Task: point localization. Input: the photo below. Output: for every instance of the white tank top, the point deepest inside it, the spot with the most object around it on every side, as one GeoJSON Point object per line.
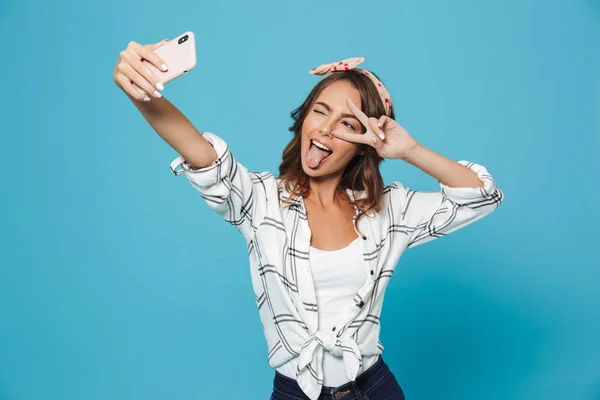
{"type": "Point", "coordinates": [337, 276]}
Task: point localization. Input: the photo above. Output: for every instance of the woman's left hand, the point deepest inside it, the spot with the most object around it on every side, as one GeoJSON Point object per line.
{"type": "Point", "coordinates": [384, 134]}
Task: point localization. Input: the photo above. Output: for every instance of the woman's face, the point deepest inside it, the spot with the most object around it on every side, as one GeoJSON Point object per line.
{"type": "Point", "coordinates": [330, 112]}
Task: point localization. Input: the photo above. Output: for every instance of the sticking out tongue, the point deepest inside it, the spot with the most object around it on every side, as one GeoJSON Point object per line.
{"type": "Point", "coordinates": [315, 156]}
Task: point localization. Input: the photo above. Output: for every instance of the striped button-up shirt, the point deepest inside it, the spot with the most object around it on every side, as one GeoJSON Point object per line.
{"type": "Point", "coordinates": [278, 239]}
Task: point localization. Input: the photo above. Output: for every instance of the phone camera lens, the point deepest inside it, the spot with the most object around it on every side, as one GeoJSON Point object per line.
{"type": "Point", "coordinates": [183, 39]}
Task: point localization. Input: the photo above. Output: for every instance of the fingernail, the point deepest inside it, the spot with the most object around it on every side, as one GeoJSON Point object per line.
{"type": "Point", "coordinates": [164, 67]}
{"type": "Point", "coordinates": [379, 124]}
{"type": "Point", "coordinates": [157, 94]}
{"type": "Point", "coordinates": [146, 98]}
{"type": "Point", "coordinates": [159, 86]}
{"type": "Point", "coordinates": [374, 139]}
{"type": "Point", "coordinates": [381, 136]}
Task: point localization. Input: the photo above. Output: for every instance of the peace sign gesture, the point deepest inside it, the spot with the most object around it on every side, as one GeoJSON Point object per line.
{"type": "Point", "coordinates": [384, 134]}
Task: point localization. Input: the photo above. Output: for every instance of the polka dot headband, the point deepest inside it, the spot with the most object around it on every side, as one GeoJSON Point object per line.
{"type": "Point", "coordinates": [352, 63]}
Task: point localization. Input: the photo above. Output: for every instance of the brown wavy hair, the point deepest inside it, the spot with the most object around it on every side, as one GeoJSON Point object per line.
{"type": "Point", "coordinates": [362, 172]}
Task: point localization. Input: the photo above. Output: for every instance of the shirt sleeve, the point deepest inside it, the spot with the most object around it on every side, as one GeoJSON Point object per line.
{"type": "Point", "coordinates": [425, 216]}
{"type": "Point", "coordinates": [226, 185]}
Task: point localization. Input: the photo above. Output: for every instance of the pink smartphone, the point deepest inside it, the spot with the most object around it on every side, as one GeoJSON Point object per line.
{"type": "Point", "coordinates": [179, 54]}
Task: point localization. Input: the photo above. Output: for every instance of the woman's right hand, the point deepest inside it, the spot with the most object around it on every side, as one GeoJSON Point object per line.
{"type": "Point", "coordinates": [130, 69]}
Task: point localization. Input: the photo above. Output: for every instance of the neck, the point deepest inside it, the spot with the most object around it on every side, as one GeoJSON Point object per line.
{"type": "Point", "coordinates": [324, 190]}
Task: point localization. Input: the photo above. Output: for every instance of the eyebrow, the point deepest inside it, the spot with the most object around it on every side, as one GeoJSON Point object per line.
{"type": "Point", "coordinates": [329, 109]}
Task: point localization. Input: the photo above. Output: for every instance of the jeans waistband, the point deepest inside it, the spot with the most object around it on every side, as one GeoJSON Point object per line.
{"type": "Point", "coordinates": [349, 391]}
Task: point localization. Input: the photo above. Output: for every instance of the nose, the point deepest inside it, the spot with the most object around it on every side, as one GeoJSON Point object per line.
{"type": "Point", "coordinates": [325, 130]}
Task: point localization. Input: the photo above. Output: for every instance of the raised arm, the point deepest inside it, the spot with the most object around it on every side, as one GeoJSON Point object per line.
{"type": "Point", "coordinates": [424, 216]}
{"type": "Point", "coordinates": [467, 191]}
{"type": "Point", "coordinates": [226, 185]}
{"type": "Point", "coordinates": [170, 124]}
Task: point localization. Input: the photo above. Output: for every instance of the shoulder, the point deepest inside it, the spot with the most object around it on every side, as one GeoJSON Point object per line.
{"type": "Point", "coordinates": [264, 184]}
{"type": "Point", "coordinates": [396, 190]}
{"type": "Point", "coordinates": [391, 189]}
{"type": "Point", "coordinates": [394, 199]}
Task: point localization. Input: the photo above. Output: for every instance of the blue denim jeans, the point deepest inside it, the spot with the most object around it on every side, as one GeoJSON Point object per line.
{"type": "Point", "coordinates": [376, 383]}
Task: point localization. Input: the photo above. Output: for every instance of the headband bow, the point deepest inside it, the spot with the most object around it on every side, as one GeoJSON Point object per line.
{"type": "Point", "coordinates": [352, 63]}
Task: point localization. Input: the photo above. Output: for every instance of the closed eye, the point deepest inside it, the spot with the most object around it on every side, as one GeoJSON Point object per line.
{"type": "Point", "coordinates": [348, 124]}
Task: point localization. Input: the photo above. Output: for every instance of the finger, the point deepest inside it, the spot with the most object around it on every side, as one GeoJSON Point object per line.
{"type": "Point", "coordinates": [362, 117]}
{"type": "Point", "coordinates": [139, 89]}
{"type": "Point", "coordinates": [154, 46]}
{"type": "Point", "coordinates": [132, 59]}
{"type": "Point", "coordinates": [148, 53]}
{"type": "Point", "coordinates": [384, 120]}
{"type": "Point", "coordinates": [374, 124]}
{"type": "Point", "coordinates": [129, 89]}
{"type": "Point", "coordinates": [145, 53]}
{"type": "Point", "coordinates": [138, 79]}
{"type": "Point", "coordinates": [353, 137]}
{"type": "Point", "coordinates": [136, 61]}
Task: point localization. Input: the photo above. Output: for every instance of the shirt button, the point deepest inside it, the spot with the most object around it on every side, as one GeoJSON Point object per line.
{"type": "Point", "coordinates": [333, 329]}
{"type": "Point", "coordinates": [372, 272]}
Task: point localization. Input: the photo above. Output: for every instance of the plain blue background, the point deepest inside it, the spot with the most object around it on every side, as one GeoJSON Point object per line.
{"type": "Point", "coordinates": [111, 279]}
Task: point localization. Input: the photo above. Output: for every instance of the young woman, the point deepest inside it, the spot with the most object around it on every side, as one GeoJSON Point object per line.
{"type": "Point", "coordinates": [325, 236]}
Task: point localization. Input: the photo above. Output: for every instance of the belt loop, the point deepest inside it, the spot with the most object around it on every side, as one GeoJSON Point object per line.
{"type": "Point", "coordinates": [359, 395]}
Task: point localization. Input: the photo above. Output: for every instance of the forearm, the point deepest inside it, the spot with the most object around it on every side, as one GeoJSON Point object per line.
{"type": "Point", "coordinates": [175, 129]}
{"type": "Point", "coordinates": [445, 170]}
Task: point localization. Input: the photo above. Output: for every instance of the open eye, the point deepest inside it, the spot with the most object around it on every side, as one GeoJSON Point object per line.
{"type": "Point", "coordinates": [349, 125]}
